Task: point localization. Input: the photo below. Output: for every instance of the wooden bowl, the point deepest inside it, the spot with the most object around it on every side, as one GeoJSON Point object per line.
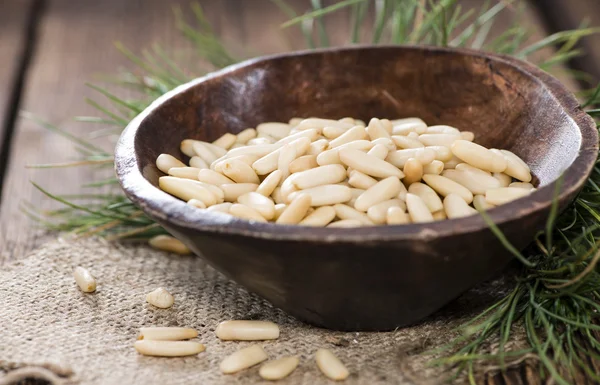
{"type": "Point", "coordinates": [371, 278]}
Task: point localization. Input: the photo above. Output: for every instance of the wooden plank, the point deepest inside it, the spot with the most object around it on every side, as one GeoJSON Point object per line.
{"type": "Point", "coordinates": [14, 29]}
{"type": "Point", "coordinates": [562, 15]}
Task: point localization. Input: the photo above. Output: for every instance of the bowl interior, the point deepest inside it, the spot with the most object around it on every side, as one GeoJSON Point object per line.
{"type": "Point", "coordinates": [504, 106]}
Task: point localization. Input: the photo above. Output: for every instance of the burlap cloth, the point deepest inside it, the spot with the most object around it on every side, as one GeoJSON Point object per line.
{"type": "Point", "coordinates": [50, 329]}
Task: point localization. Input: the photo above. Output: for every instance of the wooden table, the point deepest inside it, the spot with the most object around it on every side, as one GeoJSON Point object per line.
{"type": "Point", "coordinates": [50, 48]}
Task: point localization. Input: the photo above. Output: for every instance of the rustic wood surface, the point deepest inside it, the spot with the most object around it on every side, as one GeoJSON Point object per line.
{"type": "Point", "coordinates": [71, 42]}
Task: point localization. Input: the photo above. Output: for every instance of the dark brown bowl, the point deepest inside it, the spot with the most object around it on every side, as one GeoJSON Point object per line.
{"type": "Point", "coordinates": [371, 278]}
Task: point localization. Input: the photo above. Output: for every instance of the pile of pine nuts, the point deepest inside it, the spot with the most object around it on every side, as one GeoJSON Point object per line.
{"type": "Point", "coordinates": [343, 173]}
{"type": "Point", "coordinates": [170, 342]}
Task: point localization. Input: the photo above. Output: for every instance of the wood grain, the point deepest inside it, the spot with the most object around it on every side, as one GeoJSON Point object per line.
{"type": "Point", "coordinates": [14, 23]}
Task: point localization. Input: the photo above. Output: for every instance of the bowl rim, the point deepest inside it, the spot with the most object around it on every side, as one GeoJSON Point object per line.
{"type": "Point", "coordinates": [164, 207]}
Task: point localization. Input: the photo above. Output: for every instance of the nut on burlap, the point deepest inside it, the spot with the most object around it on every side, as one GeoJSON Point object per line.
{"type": "Point", "coordinates": [50, 329]}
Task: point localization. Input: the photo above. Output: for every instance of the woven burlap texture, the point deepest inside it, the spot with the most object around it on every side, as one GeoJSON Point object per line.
{"type": "Point", "coordinates": [47, 323]}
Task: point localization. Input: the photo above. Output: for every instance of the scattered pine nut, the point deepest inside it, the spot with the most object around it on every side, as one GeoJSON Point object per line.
{"type": "Point", "coordinates": [168, 348]}
{"type": "Point", "coordinates": [84, 279]}
{"type": "Point", "coordinates": [169, 244]}
{"type": "Point", "coordinates": [456, 207]}
{"type": "Point", "coordinates": [167, 333]}
{"type": "Point", "coordinates": [243, 359]}
{"type": "Point", "coordinates": [330, 365]}
{"type": "Point", "coordinates": [278, 369]}
{"type": "Point", "coordinates": [247, 330]}
{"type": "Point", "coordinates": [417, 209]}
{"type": "Point", "coordinates": [322, 216]}
{"type": "Point", "coordinates": [160, 298]}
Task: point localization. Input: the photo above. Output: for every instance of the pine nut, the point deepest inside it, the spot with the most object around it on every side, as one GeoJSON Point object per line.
{"type": "Point", "coordinates": [260, 203]}
{"type": "Point", "coordinates": [379, 151]}
{"type": "Point", "coordinates": [186, 147]}
{"type": "Point", "coordinates": [378, 213]}
{"type": "Point", "coordinates": [478, 156]}
{"type": "Point", "coordinates": [348, 120]}
{"type": "Point", "coordinates": [245, 212]}
{"type": "Point", "coordinates": [167, 333]}
{"type": "Point", "coordinates": [296, 210]}
{"type": "Point", "coordinates": [356, 192]}
{"type": "Point", "coordinates": [359, 180]}
{"type": "Point", "coordinates": [452, 163]}
{"type": "Point", "coordinates": [260, 141]}
{"type": "Point", "coordinates": [413, 135]}
{"type": "Point", "coordinates": [428, 195]}
{"type": "Point", "coordinates": [524, 185]}
{"type": "Point", "coordinates": [387, 142]}
{"type": "Point", "coordinates": [218, 151]}
{"type": "Point", "coordinates": [274, 129]}
{"type": "Point", "coordinates": [474, 182]}
{"type": "Point", "coordinates": [213, 177]}
{"type": "Point", "coordinates": [247, 134]}
{"type": "Point", "coordinates": [456, 207]}
{"type": "Point", "coordinates": [396, 216]}
{"type": "Point", "coordinates": [203, 151]}
{"type": "Point", "coordinates": [326, 195]}
{"type": "Point", "coordinates": [222, 207]}
{"type": "Point", "coordinates": [445, 186]}
{"type": "Point", "coordinates": [441, 129]}
{"type": "Point", "coordinates": [278, 369]}
{"type": "Point", "coordinates": [311, 134]}
{"type": "Point", "coordinates": [169, 244]}
{"type": "Point", "coordinates": [346, 223]}
{"type": "Point", "coordinates": [278, 196]}
{"type": "Point", "coordinates": [331, 132]}
{"type": "Point", "coordinates": [330, 365]}
{"type": "Point", "coordinates": [303, 163]}
{"type": "Point", "coordinates": [467, 135]}
{"type": "Point", "coordinates": [270, 162]}
{"type": "Point", "coordinates": [295, 121]}
{"type": "Point", "coordinates": [469, 168]}
{"type": "Point", "coordinates": [184, 172]}
{"type": "Point", "coordinates": [355, 133]}
{"type": "Point", "coordinates": [442, 153]}
{"type": "Point", "coordinates": [168, 348]}
{"type": "Point", "coordinates": [240, 172]}
{"type": "Point", "coordinates": [225, 141]}
{"type": "Point", "coordinates": [196, 203]}
{"type": "Point", "coordinates": [403, 192]}
{"type": "Point", "coordinates": [504, 179]}
{"type": "Point", "coordinates": [247, 330]}
{"type": "Point", "coordinates": [515, 167]}
{"type": "Point", "coordinates": [333, 156]}
{"type": "Point", "coordinates": [369, 164]}
{"type": "Point", "coordinates": [399, 158]}
{"type": "Point", "coordinates": [217, 166]}
{"type": "Point", "coordinates": [436, 167]}
{"type": "Point", "coordinates": [186, 189]}
{"type": "Point", "coordinates": [84, 279]}
{"type": "Point", "coordinates": [438, 139]}
{"type": "Point", "coordinates": [233, 191]}
{"type": "Point", "coordinates": [439, 215]}
{"type": "Point", "coordinates": [323, 175]}
{"type": "Point", "coordinates": [481, 204]}
{"type": "Point", "coordinates": [165, 162]}
{"type": "Point", "coordinates": [320, 217]}
{"type": "Point", "coordinates": [318, 147]}
{"type": "Point", "coordinates": [413, 171]}
{"type": "Point", "coordinates": [279, 209]}
{"type": "Point", "coordinates": [417, 209]}
{"type": "Point", "coordinates": [197, 162]}
{"type": "Point", "coordinates": [160, 298]}
{"type": "Point", "coordinates": [384, 190]}
{"type": "Point", "coordinates": [376, 130]}
{"type": "Point", "coordinates": [243, 359]}
{"type": "Point", "coordinates": [500, 196]}
{"type": "Point", "coordinates": [287, 156]}
{"type": "Point", "coordinates": [403, 127]}
{"type": "Point", "coordinates": [259, 151]}
{"type": "Point", "coordinates": [347, 212]}
{"type": "Point", "coordinates": [404, 142]}
{"type": "Point", "coordinates": [269, 184]}
{"type": "Point", "coordinates": [387, 124]}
